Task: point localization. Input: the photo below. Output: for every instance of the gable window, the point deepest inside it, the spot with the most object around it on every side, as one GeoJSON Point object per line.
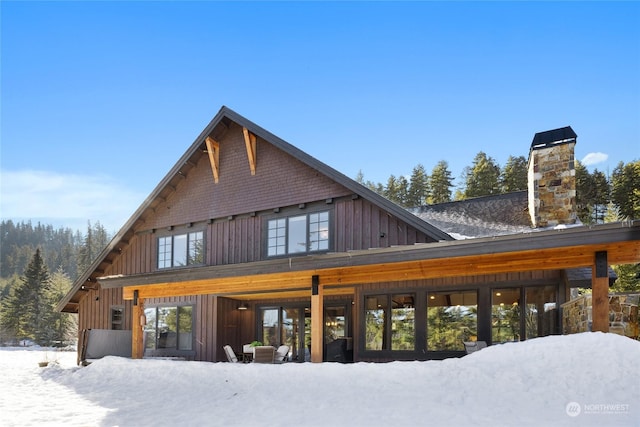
{"type": "Point", "coordinates": [298, 234]}
{"type": "Point", "coordinates": [181, 250]}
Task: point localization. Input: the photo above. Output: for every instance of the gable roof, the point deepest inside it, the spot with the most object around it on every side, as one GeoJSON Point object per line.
{"type": "Point", "coordinates": [323, 168]}
{"type": "Point", "coordinates": [487, 216]}
{"type": "Point", "coordinates": [216, 127]}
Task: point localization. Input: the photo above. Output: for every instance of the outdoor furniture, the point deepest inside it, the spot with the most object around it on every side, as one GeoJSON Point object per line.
{"type": "Point", "coordinates": [282, 354]}
{"type": "Point", "coordinates": [231, 355]}
{"type": "Point", "coordinates": [473, 346]}
{"type": "Point", "coordinates": [264, 354]}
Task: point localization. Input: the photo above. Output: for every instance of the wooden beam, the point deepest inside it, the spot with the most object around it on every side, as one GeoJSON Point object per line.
{"type": "Point", "coordinates": [213, 149]}
{"type": "Point", "coordinates": [600, 293]}
{"type": "Point", "coordinates": [137, 330]}
{"type": "Point", "coordinates": [250, 142]}
{"type": "Point", "coordinates": [549, 259]}
{"type": "Point", "coordinates": [317, 319]}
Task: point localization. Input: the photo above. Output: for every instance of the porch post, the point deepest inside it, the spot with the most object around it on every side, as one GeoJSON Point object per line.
{"type": "Point", "coordinates": [600, 293]}
{"type": "Point", "coordinates": [137, 326]}
{"type": "Point", "coordinates": [317, 319]}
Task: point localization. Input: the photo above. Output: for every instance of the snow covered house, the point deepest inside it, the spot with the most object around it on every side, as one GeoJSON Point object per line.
{"type": "Point", "coordinates": [249, 238]}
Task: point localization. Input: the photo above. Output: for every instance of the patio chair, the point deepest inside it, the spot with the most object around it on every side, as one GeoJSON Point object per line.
{"type": "Point", "coordinates": [231, 355]}
{"type": "Point", "coordinates": [473, 346]}
{"type": "Point", "coordinates": [282, 353]}
{"type": "Point", "coordinates": [264, 354]}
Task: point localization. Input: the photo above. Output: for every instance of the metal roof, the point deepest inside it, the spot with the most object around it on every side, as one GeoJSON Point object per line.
{"type": "Point", "coordinates": [553, 137]}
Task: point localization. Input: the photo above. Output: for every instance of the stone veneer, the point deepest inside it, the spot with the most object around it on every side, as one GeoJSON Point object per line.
{"type": "Point", "coordinates": [552, 185]}
{"type": "Point", "coordinates": [623, 315]}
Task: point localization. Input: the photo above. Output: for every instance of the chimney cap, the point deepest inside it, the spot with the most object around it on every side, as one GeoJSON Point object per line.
{"type": "Point", "coordinates": [553, 137]}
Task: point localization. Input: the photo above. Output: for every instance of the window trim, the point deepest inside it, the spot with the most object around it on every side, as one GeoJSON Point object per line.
{"type": "Point", "coordinates": [293, 214]}
{"type": "Point", "coordinates": [151, 352]}
{"type": "Point", "coordinates": [387, 326]}
{"type": "Point", "coordinates": [172, 236]}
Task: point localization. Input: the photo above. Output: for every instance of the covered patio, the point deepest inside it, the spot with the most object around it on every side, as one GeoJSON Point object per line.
{"type": "Point", "coordinates": [335, 274]}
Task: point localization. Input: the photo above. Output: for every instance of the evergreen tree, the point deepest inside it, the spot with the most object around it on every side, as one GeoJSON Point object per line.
{"type": "Point", "coordinates": [58, 325]}
{"type": "Point", "coordinates": [95, 241]}
{"type": "Point", "coordinates": [418, 187]}
{"type": "Point", "coordinates": [514, 174]}
{"type": "Point", "coordinates": [378, 188]}
{"type": "Point", "coordinates": [625, 192]}
{"type": "Point", "coordinates": [628, 278]}
{"type": "Point", "coordinates": [24, 312]}
{"type": "Point", "coordinates": [600, 196]}
{"type": "Point", "coordinates": [392, 190]}
{"type": "Point", "coordinates": [403, 191]}
{"type": "Point", "coordinates": [440, 183]}
{"type": "Point", "coordinates": [584, 193]}
{"type": "Point", "coordinates": [483, 178]}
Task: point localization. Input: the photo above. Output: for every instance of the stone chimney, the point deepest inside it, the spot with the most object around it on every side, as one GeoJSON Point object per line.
{"type": "Point", "coordinates": [552, 178]}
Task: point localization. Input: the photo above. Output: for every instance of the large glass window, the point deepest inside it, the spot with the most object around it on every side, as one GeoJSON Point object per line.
{"type": "Point", "coordinates": [181, 250]}
{"type": "Point", "coordinates": [541, 311]}
{"type": "Point", "coordinates": [169, 328]}
{"type": "Point", "coordinates": [376, 308]}
{"type": "Point", "coordinates": [270, 322]}
{"type": "Point", "coordinates": [452, 318]}
{"type": "Point", "coordinates": [505, 315]}
{"type": "Point", "coordinates": [390, 322]}
{"type": "Point", "coordinates": [298, 234]}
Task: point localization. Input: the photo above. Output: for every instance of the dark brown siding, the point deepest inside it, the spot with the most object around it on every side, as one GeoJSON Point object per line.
{"type": "Point", "coordinates": [280, 180]}
{"type": "Point", "coordinates": [95, 309]}
{"type": "Point", "coordinates": [360, 224]}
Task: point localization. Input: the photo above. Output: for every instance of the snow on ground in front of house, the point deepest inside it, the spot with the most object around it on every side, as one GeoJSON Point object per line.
{"type": "Point", "coordinates": [575, 380]}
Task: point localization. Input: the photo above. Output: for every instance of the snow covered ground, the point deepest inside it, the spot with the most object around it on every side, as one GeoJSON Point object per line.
{"type": "Point", "coordinates": [576, 380]}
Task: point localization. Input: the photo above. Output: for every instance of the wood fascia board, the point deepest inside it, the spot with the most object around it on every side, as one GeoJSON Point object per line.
{"type": "Point", "coordinates": [250, 143]}
{"type": "Point", "coordinates": [213, 150]}
{"type": "Point", "coordinates": [621, 241]}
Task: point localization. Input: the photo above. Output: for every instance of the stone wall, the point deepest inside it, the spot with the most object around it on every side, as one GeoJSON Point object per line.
{"type": "Point", "coordinates": [623, 315]}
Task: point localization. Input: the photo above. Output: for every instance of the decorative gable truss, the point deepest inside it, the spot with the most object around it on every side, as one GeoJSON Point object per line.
{"type": "Point", "coordinates": [213, 149]}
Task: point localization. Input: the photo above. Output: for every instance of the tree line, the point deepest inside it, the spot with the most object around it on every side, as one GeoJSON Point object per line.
{"type": "Point", "coordinates": [38, 265]}
{"type": "Point", "coordinates": [596, 192]}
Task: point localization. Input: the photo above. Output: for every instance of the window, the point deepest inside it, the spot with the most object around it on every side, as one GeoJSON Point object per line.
{"type": "Point", "coordinates": [169, 328]}
{"type": "Point", "coordinates": [181, 250]}
{"type": "Point", "coordinates": [298, 234]}
{"type": "Point", "coordinates": [452, 318]}
{"type": "Point", "coordinates": [541, 311]}
{"type": "Point", "coordinates": [117, 318]}
{"type": "Point", "coordinates": [390, 322]}
{"type": "Point", "coordinates": [505, 315]}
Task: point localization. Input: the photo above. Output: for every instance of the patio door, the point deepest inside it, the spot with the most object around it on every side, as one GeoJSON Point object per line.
{"type": "Point", "coordinates": [289, 326]}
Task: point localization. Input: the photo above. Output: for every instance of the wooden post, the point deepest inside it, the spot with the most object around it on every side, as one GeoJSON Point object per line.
{"type": "Point", "coordinates": [137, 328]}
{"type": "Point", "coordinates": [600, 293]}
{"type": "Point", "coordinates": [317, 319]}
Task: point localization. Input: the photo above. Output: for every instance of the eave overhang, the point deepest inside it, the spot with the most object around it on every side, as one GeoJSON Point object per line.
{"type": "Point", "coordinates": [544, 250]}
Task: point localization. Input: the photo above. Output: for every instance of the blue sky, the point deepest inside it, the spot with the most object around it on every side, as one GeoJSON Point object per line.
{"type": "Point", "coordinates": [100, 99]}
